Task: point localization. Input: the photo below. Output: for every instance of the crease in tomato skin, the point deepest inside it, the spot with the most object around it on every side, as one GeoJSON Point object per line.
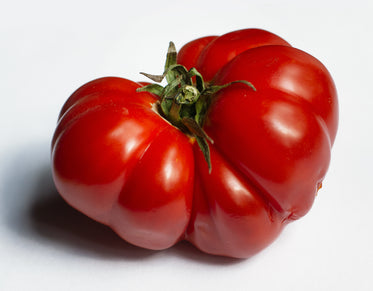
{"type": "Point", "coordinates": [216, 216]}
{"type": "Point", "coordinates": [217, 128]}
{"type": "Point", "coordinates": [267, 198]}
{"type": "Point", "coordinates": [198, 194]}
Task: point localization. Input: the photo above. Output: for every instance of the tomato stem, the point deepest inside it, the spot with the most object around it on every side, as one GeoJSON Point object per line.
{"type": "Point", "coordinates": [174, 113]}
{"type": "Point", "coordinates": [184, 102]}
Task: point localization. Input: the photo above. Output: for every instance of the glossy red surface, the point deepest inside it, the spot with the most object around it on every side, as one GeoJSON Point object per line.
{"type": "Point", "coordinates": [119, 162]}
{"type": "Point", "coordinates": [188, 55]}
{"type": "Point", "coordinates": [219, 51]}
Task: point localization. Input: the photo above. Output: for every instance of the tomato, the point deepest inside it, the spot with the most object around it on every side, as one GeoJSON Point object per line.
{"type": "Point", "coordinates": [216, 163]}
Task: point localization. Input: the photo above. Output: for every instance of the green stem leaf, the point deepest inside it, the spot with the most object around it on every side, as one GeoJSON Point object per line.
{"type": "Point", "coordinates": [152, 88]}
{"type": "Point", "coordinates": [204, 146]}
{"type": "Point", "coordinates": [200, 84]}
{"type": "Point", "coordinates": [214, 89]}
{"type": "Point", "coordinates": [155, 78]}
{"type": "Point", "coordinates": [170, 59]}
{"type": "Point", "coordinates": [195, 129]}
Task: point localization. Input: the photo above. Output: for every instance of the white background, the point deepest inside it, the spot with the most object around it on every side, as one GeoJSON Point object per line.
{"type": "Point", "coordinates": [49, 48]}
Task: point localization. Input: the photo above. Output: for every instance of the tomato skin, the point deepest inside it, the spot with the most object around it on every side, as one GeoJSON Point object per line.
{"type": "Point", "coordinates": [224, 48]}
{"type": "Point", "coordinates": [302, 77]}
{"type": "Point", "coordinates": [188, 55]}
{"type": "Point", "coordinates": [118, 161]}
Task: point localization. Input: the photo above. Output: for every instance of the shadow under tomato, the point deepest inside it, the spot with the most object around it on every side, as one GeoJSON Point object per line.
{"type": "Point", "coordinates": [53, 219]}
{"type": "Point", "coordinates": [34, 210]}
{"type": "Point", "coordinates": [186, 250]}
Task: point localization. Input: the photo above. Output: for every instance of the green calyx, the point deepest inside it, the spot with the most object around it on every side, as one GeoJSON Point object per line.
{"type": "Point", "coordinates": [185, 99]}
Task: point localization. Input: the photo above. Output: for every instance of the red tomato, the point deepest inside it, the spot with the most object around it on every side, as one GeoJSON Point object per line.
{"type": "Point", "coordinates": [116, 159]}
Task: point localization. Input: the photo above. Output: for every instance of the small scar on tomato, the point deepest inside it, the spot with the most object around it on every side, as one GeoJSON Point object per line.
{"type": "Point", "coordinates": [319, 186]}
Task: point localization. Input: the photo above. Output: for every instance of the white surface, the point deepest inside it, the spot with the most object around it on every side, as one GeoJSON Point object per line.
{"type": "Point", "coordinates": [48, 49]}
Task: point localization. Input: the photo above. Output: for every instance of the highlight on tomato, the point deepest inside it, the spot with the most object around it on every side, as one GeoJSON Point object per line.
{"type": "Point", "coordinates": [230, 151]}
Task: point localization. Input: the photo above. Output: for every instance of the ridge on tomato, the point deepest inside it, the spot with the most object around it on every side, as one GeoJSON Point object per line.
{"type": "Point", "coordinates": [231, 150]}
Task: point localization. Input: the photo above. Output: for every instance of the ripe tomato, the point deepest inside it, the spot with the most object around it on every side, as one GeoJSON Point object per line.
{"type": "Point", "coordinates": [225, 169]}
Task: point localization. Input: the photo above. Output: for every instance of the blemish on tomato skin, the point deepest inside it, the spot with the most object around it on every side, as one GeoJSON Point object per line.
{"type": "Point", "coordinates": [318, 187]}
{"type": "Point", "coordinates": [125, 111]}
{"type": "Point", "coordinates": [290, 217]}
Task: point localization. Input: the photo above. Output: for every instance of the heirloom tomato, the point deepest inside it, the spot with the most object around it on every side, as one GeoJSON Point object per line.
{"type": "Point", "coordinates": [233, 148]}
